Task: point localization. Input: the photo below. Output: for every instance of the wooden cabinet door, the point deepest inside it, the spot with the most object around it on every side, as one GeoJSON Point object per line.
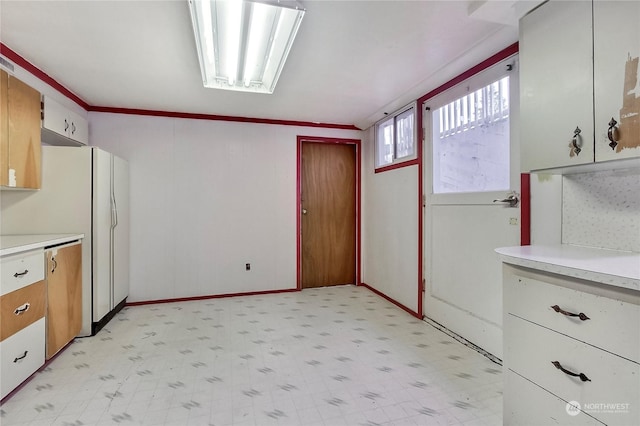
{"type": "Point", "coordinates": [64, 296]}
{"type": "Point", "coordinates": [556, 85]}
{"type": "Point", "coordinates": [24, 134]}
{"type": "Point", "coordinates": [20, 147]}
{"type": "Point", "coordinates": [616, 37]}
{"type": "Point", "coordinates": [4, 128]}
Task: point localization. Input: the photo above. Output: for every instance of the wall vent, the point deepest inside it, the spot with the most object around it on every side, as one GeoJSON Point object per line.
{"type": "Point", "coordinates": [6, 64]}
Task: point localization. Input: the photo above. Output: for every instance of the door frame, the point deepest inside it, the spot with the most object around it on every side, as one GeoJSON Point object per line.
{"type": "Point", "coordinates": [328, 140]}
{"type": "Point", "coordinates": [422, 241]}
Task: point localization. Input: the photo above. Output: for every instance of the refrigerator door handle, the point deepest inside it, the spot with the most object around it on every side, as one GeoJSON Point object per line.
{"type": "Point", "coordinates": [114, 212]}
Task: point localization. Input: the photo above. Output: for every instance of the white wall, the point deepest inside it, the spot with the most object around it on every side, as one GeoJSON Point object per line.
{"type": "Point", "coordinates": [546, 209]}
{"type": "Point", "coordinates": [206, 198]}
{"type": "Point", "coordinates": [602, 209]}
{"type": "Point", "coordinates": [596, 209]}
{"type": "Point", "coordinates": [390, 229]}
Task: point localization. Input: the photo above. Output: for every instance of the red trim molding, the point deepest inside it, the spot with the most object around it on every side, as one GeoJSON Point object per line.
{"type": "Point", "coordinates": [358, 218]}
{"type": "Point", "coordinates": [525, 209]}
{"type": "Point", "coordinates": [421, 212]}
{"type": "Point", "coordinates": [213, 296]}
{"type": "Point", "coordinates": [214, 117]}
{"type": "Point", "coordinates": [415, 161]}
{"type": "Point", "coordinates": [492, 60]}
{"type": "Point", "coordinates": [20, 61]}
{"type": "Point", "coordinates": [28, 66]}
{"type": "Point", "coordinates": [398, 304]}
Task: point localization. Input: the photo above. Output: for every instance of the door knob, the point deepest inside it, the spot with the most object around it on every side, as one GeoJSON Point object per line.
{"type": "Point", "coordinates": [304, 211]}
{"type": "Point", "coordinates": [512, 199]}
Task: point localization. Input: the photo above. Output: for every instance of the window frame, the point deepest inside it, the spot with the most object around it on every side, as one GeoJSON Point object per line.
{"type": "Point", "coordinates": [506, 67]}
{"type": "Point", "coordinates": [395, 161]}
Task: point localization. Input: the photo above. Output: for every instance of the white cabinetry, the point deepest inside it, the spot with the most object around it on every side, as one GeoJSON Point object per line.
{"type": "Point", "coordinates": [22, 329]}
{"type": "Point", "coordinates": [616, 38]}
{"type": "Point", "coordinates": [579, 63]}
{"type": "Point", "coordinates": [61, 126]}
{"type": "Point", "coordinates": [567, 340]}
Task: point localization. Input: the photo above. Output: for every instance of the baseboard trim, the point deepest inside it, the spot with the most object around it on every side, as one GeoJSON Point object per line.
{"type": "Point", "coordinates": [462, 340]}
{"type": "Point", "coordinates": [211, 296]}
{"type": "Point", "coordinates": [395, 302]}
{"type": "Point", "coordinates": [97, 326]}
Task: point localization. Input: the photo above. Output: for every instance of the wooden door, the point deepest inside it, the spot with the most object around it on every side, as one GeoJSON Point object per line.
{"type": "Point", "coordinates": [64, 296]}
{"type": "Point", "coordinates": [328, 237]}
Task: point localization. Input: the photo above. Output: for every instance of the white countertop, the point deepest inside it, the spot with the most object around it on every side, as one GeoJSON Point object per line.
{"type": "Point", "coordinates": [11, 244]}
{"type": "Point", "coordinates": [612, 267]}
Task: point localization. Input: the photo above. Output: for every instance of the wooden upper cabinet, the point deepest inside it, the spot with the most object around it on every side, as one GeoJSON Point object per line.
{"type": "Point", "coordinates": [64, 296]}
{"type": "Point", "coordinates": [4, 128]}
{"type": "Point", "coordinates": [21, 138]}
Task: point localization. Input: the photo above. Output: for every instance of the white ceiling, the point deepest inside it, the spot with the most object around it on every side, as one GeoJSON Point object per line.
{"type": "Point", "coordinates": [351, 61]}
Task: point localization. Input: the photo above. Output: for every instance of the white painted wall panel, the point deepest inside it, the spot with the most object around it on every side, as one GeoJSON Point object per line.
{"type": "Point", "coordinates": [390, 229]}
{"type": "Point", "coordinates": [546, 208]}
{"type": "Point", "coordinates": [206, 198]}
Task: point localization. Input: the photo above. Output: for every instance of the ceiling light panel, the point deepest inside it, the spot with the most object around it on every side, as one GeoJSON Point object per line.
{"type": "Point", "coordinates": [243, 45]}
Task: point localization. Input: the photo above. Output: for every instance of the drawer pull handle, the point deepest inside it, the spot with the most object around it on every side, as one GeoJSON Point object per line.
{"type": "Point", "coordinates": [21, 357]}
{"type": "Point", "coordinates": [22, 309]}
{"type": "Point", "coordinates": [558, 309]}
{"type": "Point", "coordinates": [575, 146]}
{"type": "Point", "coordinates": [571, 373]}
{"type": "Point", "coordinates": [21, 274]}
{"type": "Point", "coordinates": [611, 133]}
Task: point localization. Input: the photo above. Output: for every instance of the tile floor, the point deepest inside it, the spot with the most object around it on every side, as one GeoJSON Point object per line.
{"type": "Point", "coordinates": [328, 356]}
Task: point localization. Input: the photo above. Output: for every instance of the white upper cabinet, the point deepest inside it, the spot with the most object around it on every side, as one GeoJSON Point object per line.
{"type": "Point", "coordinates": [63, 127]}
{"type": "Point", "coordinates": [556, 85]}
{"type": "Point", "coordinates": [567, 82]}
{"type": "Point", "coordinates": [617, 79]}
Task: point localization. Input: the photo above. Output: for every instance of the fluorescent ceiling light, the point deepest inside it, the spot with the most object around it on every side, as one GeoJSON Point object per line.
{"type": "Point", "coordinates": [242, 45]}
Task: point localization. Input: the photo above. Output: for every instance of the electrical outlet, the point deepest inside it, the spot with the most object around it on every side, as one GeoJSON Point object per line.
{"type": "Point", "coordinates": [513, 221]}
{"type": "Point", "coordinates": [247, 266]}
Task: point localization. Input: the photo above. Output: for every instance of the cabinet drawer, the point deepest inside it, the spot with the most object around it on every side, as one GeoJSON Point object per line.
{"type": "Point", "coordinates": [20, 356]}
{"type": "Point", "coordinates": [612, 325]}
{"type": "Point", "coordinates": [528, 404]}
{"type": "Point", "coordinates": [20, 270]}
{"type": "Point", "coordinates": [21, 308]}
{"type": "Point", "coordinates": [530, 350]}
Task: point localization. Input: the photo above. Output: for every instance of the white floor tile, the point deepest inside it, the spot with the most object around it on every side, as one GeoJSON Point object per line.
{"type": "Point", "coordinates": [329, 356]}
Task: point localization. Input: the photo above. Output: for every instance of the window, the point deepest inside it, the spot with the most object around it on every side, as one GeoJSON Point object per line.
{"type": "Point", "coordinates": [471, 141]}
{"type": "Point", "coordinates": [395, 138]}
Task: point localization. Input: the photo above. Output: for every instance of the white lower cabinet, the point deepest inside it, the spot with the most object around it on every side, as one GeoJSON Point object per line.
{"type": "Point", "coordinates": [21, 355]}
{"type": "Point", "coordinates": [532, 405]}
{"type": "Point", "coordinates": [569, 341]}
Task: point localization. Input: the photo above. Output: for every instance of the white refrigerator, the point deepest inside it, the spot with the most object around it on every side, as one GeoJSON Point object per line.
{"type": "Point", "coordinates": [84, 190]}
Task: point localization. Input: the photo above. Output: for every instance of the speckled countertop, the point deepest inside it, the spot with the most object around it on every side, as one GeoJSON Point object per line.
{"type": "Point", "coordinates": [611, 267]}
